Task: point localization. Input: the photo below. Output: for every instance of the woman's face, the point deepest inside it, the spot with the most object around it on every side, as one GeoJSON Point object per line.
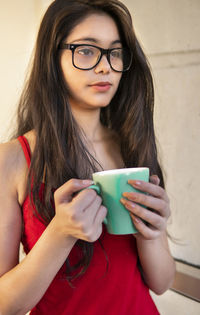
{"type": "Point", "coordinates": [96, 87]}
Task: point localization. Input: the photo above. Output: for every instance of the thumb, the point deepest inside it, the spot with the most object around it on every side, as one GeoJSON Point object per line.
{"type": "Point", "coordinates": [154, 179]}
{"type": "Point", "coordinates": [65, 192]}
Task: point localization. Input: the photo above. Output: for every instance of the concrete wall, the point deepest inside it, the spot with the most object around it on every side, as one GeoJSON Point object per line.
{"type": "Point", "coordinates": [169, 31]}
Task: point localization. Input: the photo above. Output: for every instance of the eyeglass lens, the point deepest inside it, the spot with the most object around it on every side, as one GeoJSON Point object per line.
{"type": "Point", "coordinates": [86, 57]}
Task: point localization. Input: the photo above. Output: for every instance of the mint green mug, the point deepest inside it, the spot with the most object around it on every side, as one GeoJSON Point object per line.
{"type": "Point", "coordinates": [110, 185]}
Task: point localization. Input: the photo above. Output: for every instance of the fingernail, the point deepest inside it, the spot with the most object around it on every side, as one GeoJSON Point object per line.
{"type": "Point", "coordinates": [127, 204]}
{"type": "Point", "coordinates": [87, 182]}
{"type": "Point", "coordinates": [125, 194]}
{"type": "Point", "coordinates": [136, 183]}
{"type": "Point", "coordinates": [135, 219]}
{"type": "Point", "coordinates": [123, 201]}
{"type": "Point", "coordinates": [131, 195]}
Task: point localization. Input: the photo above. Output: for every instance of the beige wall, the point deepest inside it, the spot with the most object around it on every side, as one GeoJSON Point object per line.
{"type": "Point", "coordinates": [17, 27]}
{"type": "Point", "coordinates": [169, 30]}
{"type": "Point", "coordinates": [19, 20]}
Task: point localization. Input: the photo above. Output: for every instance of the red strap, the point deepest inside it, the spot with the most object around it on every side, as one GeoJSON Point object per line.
{"type": "Point", "coordinates": [26, 148]}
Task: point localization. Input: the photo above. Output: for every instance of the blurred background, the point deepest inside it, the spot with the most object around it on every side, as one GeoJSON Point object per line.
{"type": "Point", "coordinates": [169, 31]}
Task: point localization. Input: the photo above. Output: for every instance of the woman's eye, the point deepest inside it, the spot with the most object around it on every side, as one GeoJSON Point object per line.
{"type": "Point", "coordinates": [85, 52]}
{"type": "Point", "coordinates": [116, 54]}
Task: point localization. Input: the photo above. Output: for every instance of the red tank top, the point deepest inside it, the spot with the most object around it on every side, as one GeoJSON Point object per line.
{"type": "Point", "coordinates": [115, 288]}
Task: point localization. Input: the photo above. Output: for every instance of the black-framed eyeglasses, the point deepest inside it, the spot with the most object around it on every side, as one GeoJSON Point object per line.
{"type": "Point", "coordinates": [87, 57]}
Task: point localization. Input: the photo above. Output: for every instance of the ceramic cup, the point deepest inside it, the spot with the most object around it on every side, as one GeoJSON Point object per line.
{"type": "Point", "coordinates": [110, 185]}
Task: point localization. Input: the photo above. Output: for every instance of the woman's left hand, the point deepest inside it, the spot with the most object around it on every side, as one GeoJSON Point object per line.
{"type": "Point", "coordinates": [156, 200]}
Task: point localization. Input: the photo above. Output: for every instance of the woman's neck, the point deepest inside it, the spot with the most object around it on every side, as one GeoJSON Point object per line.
{"type": "Point", "coordinates": [89, 121]}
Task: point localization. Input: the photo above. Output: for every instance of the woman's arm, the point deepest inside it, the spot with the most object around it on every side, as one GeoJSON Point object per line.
{"type": "Point", "coordinates": [157, 263]}
{"type": "Point", "coordinates": [23, 284]}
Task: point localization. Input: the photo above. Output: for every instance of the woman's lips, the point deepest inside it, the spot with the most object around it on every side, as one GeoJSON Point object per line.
{"type": "Point", "coordinates": [101, 86]}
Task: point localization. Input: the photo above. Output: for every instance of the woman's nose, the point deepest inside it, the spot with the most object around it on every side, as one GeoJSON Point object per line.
{"type": "Point", "coordinates": [103, 65]}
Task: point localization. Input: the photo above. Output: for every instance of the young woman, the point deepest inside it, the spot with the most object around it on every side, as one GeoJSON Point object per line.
{"type": "Point", "coordinates": [87, 106]}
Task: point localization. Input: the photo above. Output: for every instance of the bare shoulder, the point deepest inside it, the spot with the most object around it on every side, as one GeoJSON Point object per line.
{"type": "Point", "coordinates": [10, 156]}
{"type": "Point", "coordinates": [14, 168]}
{"type": "Point", "coordinates": [11, 153]}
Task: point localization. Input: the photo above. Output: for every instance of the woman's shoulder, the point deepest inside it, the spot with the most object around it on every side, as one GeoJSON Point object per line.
{"type": "Point", "coordinates": [11, 151]}
{"type": "Point", "coordinates": [10, 154]}
{"type": "Point", "coordinates": [11, 161]}
{"type": "Point", "coordinates": [13, 164]}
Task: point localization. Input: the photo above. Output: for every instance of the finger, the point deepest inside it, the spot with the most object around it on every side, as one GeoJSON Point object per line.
{"type": "Point", "coordinates": [154, 179]}
{"type": "Point", "coordinates": [100, 215]}
{"type": "Point", "coordinates": [148, 216]}
{"type": "Point", "coordinates": [93, 208]}
{"type": "Point", "coordinates": [160, 205]}
{"type": "Point", "coordinates": [143, 229]}
{"type": "Point", "coordinates": [95, 223]}
{"type": "Point", "coordinates": [149, 188]}
{"type": "Point", "coordinates": [87, 200]}
{"type": "Point", "coordinates": [65, 192]}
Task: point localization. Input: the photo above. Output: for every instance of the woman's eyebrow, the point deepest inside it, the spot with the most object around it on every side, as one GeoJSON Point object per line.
{"type": "Point", "coordinates": [94, 40]}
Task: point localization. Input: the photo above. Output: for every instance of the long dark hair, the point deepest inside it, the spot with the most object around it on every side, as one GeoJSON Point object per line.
{"type": "Point", "coordinates": [59, 150]}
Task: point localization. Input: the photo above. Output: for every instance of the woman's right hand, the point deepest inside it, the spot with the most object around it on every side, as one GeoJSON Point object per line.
{"type": "Point", "coordinates": [80, 215]}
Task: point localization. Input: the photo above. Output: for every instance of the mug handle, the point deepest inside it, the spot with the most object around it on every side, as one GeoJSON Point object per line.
{"type": "Point", "coordinates": [98, 190]}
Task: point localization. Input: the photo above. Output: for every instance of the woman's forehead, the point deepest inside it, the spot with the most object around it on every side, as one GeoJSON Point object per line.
{"type": "Point", "coordinates": [95, 28]}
